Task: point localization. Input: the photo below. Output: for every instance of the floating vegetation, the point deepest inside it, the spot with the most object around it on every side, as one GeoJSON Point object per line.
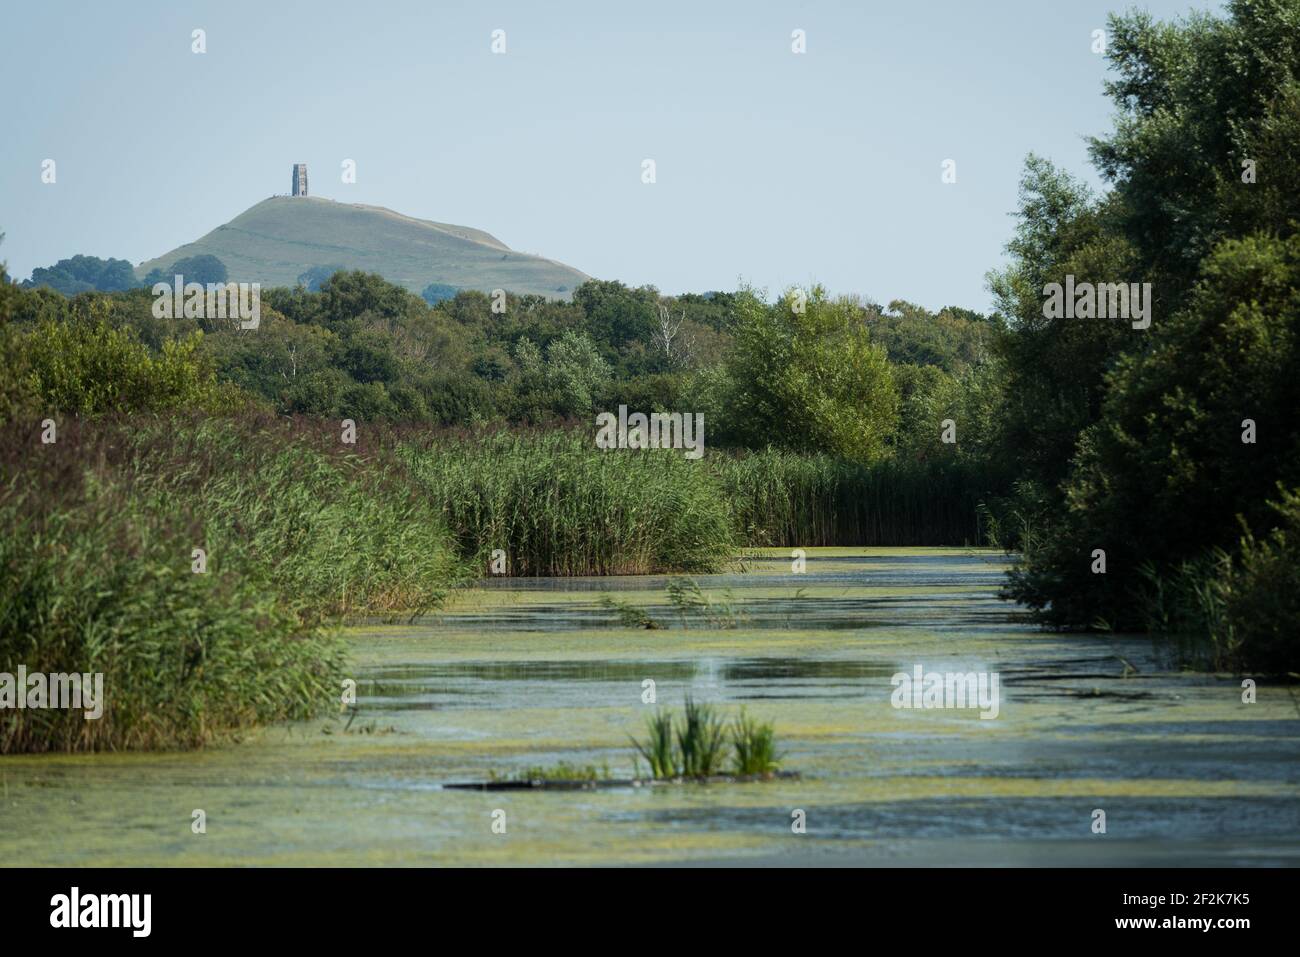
{"type": "Point", "coordinates": [564, 771]}
{"type": "Point", "coordinates": [693, 750]}
{"type": "Point", "coordinates": [364, 727]}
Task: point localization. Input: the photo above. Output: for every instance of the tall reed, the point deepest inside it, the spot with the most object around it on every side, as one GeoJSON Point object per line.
{"type": "Point", "coordinates": [98, 533]}
{"type": "Point", "coordinates": [753, 745]}
{"type": "Point", "coordinates": [558, 506]}
{"type": "Point", "coordinates": [783, 498]}
{"type": "Point", "coordinates": [696, 748]}
{"type": "Point", "coordinates": [336, 526]}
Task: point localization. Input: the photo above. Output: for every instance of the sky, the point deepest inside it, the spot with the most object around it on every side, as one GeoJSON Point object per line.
{"type": "Point", "coordinates": [772, 168]}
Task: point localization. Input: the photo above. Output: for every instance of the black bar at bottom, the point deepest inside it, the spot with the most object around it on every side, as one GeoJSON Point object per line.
{"type": "Point", "coordinates": [653, 906]}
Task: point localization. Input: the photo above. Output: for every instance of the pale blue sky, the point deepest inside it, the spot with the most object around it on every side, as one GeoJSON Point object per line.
{"type": "Point", "coordinates": [772, 167]}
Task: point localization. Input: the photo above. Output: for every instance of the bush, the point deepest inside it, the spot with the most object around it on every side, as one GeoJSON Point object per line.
{"type": "Point", "coordinates": [1236, 611]}
{"type": "Point", "coordinates": [88, 367]}
{"type": "Point", "coordinates": [1263, 607]}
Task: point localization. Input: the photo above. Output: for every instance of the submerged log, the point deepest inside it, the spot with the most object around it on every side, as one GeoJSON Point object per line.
{"type": "Point", "coordinates": [555, 784]}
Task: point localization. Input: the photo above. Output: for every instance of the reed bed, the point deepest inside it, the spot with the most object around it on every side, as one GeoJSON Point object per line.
{"type": "Point", "coordinates": [97, 533]}
{"type": "Point", "coordinates": [557, 506]}
{"type": "Point", "coordinates": [792, 500]}
{"type": "Point", "coordinates": [336, 526]}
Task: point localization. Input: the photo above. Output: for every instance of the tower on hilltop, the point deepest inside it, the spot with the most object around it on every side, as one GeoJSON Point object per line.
{"type": "Point", "coordinates": [300, 179]}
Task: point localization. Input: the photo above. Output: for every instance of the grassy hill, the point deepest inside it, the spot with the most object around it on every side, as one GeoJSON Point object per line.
{"type": "Point", "coordinates": [282, 237]}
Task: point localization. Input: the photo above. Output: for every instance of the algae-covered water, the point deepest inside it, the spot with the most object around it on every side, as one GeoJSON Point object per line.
{"type": "Point", "coordinates": [525, 673]}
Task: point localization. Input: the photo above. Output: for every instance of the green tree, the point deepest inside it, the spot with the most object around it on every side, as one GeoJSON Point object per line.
{"type": "Point", "coordinates": [1196, 99]}
{"type": "Point", "coordinates": [1201, 160]}
{"type": "Point", "coordinates": [204, 268]}
{"type": "Point", "coordinates": [616, 315]}
{"type": "Point", "coordinates": [84, 274]}
{"type": "Point", "coordinates": [807, 376]}
{"type": "Point", "coordinates": [1166, 474]}
{"type": "Point", "coordinates": [436, 292]}
{"type": "Point", "coordinates": [563, 384]}
{"type": "Point", "coordinates": [88, 367]}
{"type": "Point", "coordinates": [346, 296]}
{"type": "Point", "coordinates": [313, 278]}
{"type": "Point", "coordinates": [1055, 367]}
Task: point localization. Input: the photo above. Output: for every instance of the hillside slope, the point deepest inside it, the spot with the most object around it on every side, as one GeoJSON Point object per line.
{"type": "Point", "coordinates": [280, 238]}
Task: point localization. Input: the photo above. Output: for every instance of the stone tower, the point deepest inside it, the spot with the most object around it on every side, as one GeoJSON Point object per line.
{"type": "Point", "coordinates": [300, 179]}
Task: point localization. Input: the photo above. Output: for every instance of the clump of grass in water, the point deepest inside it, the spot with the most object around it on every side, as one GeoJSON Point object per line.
{"type": "Point", "coordinates": [697, 748]}
{"type": "Point", "coordinates": [659, 748]}
{"type": "Point", "coordinates": [701, 741]}
{"type": "Point", "coordinates": [754, 745]}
